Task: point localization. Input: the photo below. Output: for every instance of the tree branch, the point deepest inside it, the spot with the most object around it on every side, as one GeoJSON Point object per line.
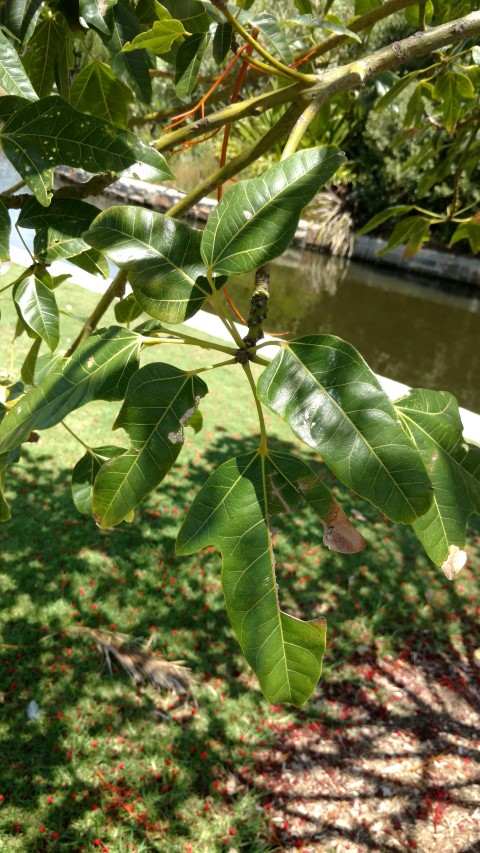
{"type": "Point", "coordinates": [274, 135]}
{"type": "Point", "coordinates": [362, 23]}
{"type": "Point", "coordinates": [114, 289]}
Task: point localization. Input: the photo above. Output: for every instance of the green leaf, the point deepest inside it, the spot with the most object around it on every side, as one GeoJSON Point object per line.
{"type": "Point", "coordinates": [50, 133]}
{"type": "Point", "coordinates": [37, 307]}
{"type": "Point", "coordinates": [233, 512]}
{"type": "Point", "coordinates": [5, 226]}
{"type": "Point", "coordinates": [322, 387]}
{"type": "Point", "coordinates": [59, 227]}
{"type": "Point", "coordinates": [380, 218]}
{"type": "Point", "coordinates": [96, 90]}
{"type": "Point", "coordinates": [476, 55]}
{"type": "Point", "coordinates": [93, 262]}
{"type": "Point", "coordinates": [222, 42]}
{"type": "Point", "coordinates": [84, 473]}
{"type": "Point", "coordinates": [159, 402]}
{"type": "Point", "coordinates": [134, 67]}
{"type": "Point", "coordinates": [453, 466]}
{"type": "Point", "coordinates": [188, 61]}
{"type": "Point", "coordinates": [191, 13]}
{"type": "Point", "coordinates": [99, 369]}
{"type": "Point", "coordinates": [27, 371]}
{"type": "Point", "coordinates": [256, 219]}
{"type": "Point", "coordinates": [13, 79]}
{"type": "Point", "coordinates": [42, 53]}
{"type": "Point", "coordinates": [364, 6]}
{"type": "Point", "coordinates": [333, 24]}
{"type": "Point", "coordinates": [162, 256]}
{"type": "Point", "coordinates": [127, 309]}
{"type": "Point", "coordinates": [412, 14]}
{"type": "Point", "coordinates": [393, 92]}
{"type": "Point", "coordinates": [270, 29]}
{"type": "Point", "coordinates": [21, 17]}
{"type": "Point", "coordinates": [468, 231]}
{"type": "Point", "coordinates": [159, 38]}
{"type": "Point", "coordinates": [90, 12]}
{"type": "Point", "coordinates": [412, 231]}
{"type": "Point", "coordinates": [304, 6]}
{"type": "Point", "coordinates": [451, 89]}
{"type": "Point", "coordinates": [9, 104]}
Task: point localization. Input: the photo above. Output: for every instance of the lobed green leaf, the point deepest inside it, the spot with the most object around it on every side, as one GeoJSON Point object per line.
{"type": "Point", "coordinates": [84, 473]}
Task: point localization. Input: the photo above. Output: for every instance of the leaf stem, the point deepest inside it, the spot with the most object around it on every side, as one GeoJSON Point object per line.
{"type": "Point", "coordinates": [190, 340]}
{"type": "Point", "coordinates": [263, 449]}
{"type": "Point", "coordinates": [114, 289]}
{"type": "Point", "coordinates": [12, 190]}
{"type": "Point", "coordinates": [302, 125]}
{"type": "Point", "coordinates": [77, 437]}
{"type": "Point", "coordinates": [214, 366]}
{"type": "Point", "coordinates": [216, 304]}
{"type": "Point", "coordinates": [285, 70]}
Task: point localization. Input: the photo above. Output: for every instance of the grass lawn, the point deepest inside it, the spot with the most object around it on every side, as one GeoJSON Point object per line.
{"type": "Point", "coordinates": [101, 769]}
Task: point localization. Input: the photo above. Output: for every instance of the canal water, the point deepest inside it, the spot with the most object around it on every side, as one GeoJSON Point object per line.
{"type": "Point", "coordinates": [424, 333]}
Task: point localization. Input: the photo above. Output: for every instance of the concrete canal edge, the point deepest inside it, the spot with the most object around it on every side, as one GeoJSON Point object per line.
{"type": "Point", "coordinates": [428, 262]}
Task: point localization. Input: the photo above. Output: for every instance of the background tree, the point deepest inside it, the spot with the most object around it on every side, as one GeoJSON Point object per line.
{"type": "Point", "coordinates": [71, 73]}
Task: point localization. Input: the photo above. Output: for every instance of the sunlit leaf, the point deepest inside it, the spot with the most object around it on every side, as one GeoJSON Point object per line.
{"type": "Point", "coordinates": [453, 466]}
{"type": "Point", "coordinates": [333, 24]}
{"type": "Point", "coordinates": [92, 261]}
{"type": "Point", "coordinates": [21, 17]}
{"type": "Point", "coordinates": [468, 231]}
{"type": "Point", "coordinates": [159, 402]}
{"type": "Point", "coordinates": [37, 306]}
{"type": "Point", "coordinates": [256, 219]}
{"type": "Point", "coordinates": [162, 257]}
{"type": "Point", "coordinates": [276, 38]}
{"type": "Point", "coordinates": [411, 232]}
{"type": "Point", "coordinates": [380, 218]}
{"type": "Point", "coordinates": [84, 473]}
{"type": "Point", "coordinates": [50, 132]}
{"type": "Point", "coordinates": [99, 369]}
{"type": "Point", "coordinates": [96, 90]}
{"type": "Point", "coordinates": [91, 14]}
{"type": "Point", "coordinates": [58, 227]}
{"type": "Point", "coordinates": [13, 78]}
{"type": "Point", "coordinates": [127, 309]}
{"type": "Point", "coordinates": [325, 391]}
{"type": "Point", "coordinates": [159, 38]}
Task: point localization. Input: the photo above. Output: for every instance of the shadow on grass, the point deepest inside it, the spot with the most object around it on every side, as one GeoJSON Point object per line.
{"type": "Point", "coordinates": [380, 757]}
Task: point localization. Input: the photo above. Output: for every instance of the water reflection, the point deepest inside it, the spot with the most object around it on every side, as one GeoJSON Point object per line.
{"type": "Point", "coordinates": [426, 334]}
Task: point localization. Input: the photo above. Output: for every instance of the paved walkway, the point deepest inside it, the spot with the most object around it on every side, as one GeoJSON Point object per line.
{"type": "Point", "coordinates": [212, 325]}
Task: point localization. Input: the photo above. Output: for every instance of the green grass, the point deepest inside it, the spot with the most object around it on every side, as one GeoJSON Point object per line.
{"type": "Point", "coordinates": [99, 770]}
